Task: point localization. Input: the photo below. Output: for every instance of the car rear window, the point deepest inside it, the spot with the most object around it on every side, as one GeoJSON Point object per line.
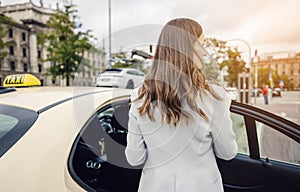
{"type": "Point", "coordinates": [14, 123]}
{"type": "Point", "coordinates": [7, 123]}
{"type": "Point", "coordinates": [110, 71]}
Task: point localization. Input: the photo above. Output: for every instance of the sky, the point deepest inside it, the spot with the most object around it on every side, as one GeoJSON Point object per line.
{"type": "Point", "coordinates": [265, 25]}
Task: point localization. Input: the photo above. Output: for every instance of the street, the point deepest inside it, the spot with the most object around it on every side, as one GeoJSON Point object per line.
{"type": "Point", "coordinates": [273, 144]}
{"type": "Point", "coordinates": [287, 106]}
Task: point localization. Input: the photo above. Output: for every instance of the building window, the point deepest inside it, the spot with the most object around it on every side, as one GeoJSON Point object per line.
{"type": "Point", "coordinates": [40, 68]}
{"type": "Point", "coordinates": [12, 66]}
{"type": "Point", "coordinates": [24, 51]}
{"type": "Point", "coordinates": [23, 36]}
{"type": "Point", "coordinates": [10, 33]}
{"type": "Point", "coordinates": [11, 50]}
{"type": "Point", "coordinates": [42, 82]}
{"type": "Point", "coordinates": [25, 66]}
{"type": "Point", "coordinates": [39, 54]}
{"type": "Point", "coordinates": [292, 72]}
{"type": "Point", "coordinates": [283, 72]}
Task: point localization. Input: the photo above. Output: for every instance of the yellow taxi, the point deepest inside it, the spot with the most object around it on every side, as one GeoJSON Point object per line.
{"type": "Point", "coordinates": [57, 139]}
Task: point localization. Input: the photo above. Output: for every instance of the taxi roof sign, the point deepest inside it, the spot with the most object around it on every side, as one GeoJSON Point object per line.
{"type": "Point", "coordinates": [21, 80]}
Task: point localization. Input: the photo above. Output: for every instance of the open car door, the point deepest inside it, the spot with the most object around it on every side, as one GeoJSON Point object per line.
{"type": "Point", "coordinates": [269, 153]}
{"type": "Point", "coordinates": [268, 159]}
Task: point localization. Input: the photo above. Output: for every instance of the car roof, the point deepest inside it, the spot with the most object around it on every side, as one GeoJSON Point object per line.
{"type": "Point", "coordinates": [37, 98]}
{"type": "Point", "coordinates": [122, 69]}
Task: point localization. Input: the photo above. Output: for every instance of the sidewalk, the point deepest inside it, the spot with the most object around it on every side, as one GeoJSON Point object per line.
{"type": "Point", "coordinates": [260, 101]}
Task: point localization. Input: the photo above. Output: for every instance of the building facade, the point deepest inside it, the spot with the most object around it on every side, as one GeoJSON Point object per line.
{"type": "Point", "coordinates": [282, 64]}
{"type": "Point", "coordinates": [24, 53]}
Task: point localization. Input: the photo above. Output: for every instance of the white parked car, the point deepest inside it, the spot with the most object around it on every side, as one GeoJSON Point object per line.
{"type": "Point", "coordinates": [121, 77]}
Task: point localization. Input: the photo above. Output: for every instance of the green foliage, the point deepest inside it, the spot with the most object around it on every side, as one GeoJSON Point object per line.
{"type": "Point", "coordinates": [235, 65]}
{"type": "Point", "coordinates": [121, 60]}
{"type": "Point", "coordinates": [225, 55]}
{"type": "Point", "coordinates": [64, 45]}
{"type": "Point", "coordinates": [3, 33]}
{"type": "Point", "coordinates": [263, 78]}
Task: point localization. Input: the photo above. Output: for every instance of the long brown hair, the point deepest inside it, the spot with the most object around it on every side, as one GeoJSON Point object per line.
{"type": "Point", "coordinates": [175, 74]}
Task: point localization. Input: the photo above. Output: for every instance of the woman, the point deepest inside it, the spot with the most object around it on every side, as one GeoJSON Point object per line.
{"type": "Point", "coordinates": [178, 122]}
{"type": "Point", "coordinates": [265, 94]}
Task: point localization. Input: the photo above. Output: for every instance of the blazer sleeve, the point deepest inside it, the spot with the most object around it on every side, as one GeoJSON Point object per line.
{"type": "Point", "coordinates": [136, 150]}
{"type": "Point", "coordinates": [224, 143]}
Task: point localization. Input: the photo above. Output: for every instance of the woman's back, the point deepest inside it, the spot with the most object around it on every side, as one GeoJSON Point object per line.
{"type": "Point", "coordinates": [182, 157]}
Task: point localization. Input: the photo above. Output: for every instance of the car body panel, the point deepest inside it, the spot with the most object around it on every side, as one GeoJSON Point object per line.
{"type": "Point", "coordinates": [40, 155]}
{"type": "Point", "coordinates": [42, 152]}
{"type": "Point", "coordinates": [36, 98]}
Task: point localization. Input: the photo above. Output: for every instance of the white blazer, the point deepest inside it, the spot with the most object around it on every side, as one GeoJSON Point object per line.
{"type": "Point", "coordinates": [182, 158]}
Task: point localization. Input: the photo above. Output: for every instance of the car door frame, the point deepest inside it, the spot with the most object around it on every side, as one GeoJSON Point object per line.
{"type": "Point", "coordinates": [249, 166]}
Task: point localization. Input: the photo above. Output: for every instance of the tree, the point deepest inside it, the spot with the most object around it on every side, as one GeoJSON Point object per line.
{"type": "Point", "coordinates": [3, 45]}
{"type": "Point", "coordinates": [225, 56]}
{"type": "Point", "coordinates": [235, 65]}
{"type": "Point", "coordinates": [264, 78]}
{"type": "Point", "coordinates": [64, 45]}
{"type": "Point", "coordinates": [122, 60]}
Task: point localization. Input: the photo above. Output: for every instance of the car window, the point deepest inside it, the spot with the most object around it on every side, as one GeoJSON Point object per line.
{"type": "Point", "coordinates": [277, 146]}
{"type": "Point", "coordinates": [14, 123]}
{"type": "Point", "coordinates": [240, 133]}
{"type": "Point", "coordinates": [112, 71]}
{"type": "Point", "coordinates": [131, 72]}
{"type": "Point", "coordinates": [7, 123]}
{"type": "Point", "coordinates": [139, 73]}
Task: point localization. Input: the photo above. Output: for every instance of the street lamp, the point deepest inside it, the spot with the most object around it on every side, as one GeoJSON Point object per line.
{"type": "Point", "coordinates": [109, 35]}
{"type": "Point", "coordinates": [255, 59]}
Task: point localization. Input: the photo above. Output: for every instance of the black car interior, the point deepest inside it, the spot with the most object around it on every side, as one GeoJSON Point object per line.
{"type": "Point", "coordinates": [98, 160]}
